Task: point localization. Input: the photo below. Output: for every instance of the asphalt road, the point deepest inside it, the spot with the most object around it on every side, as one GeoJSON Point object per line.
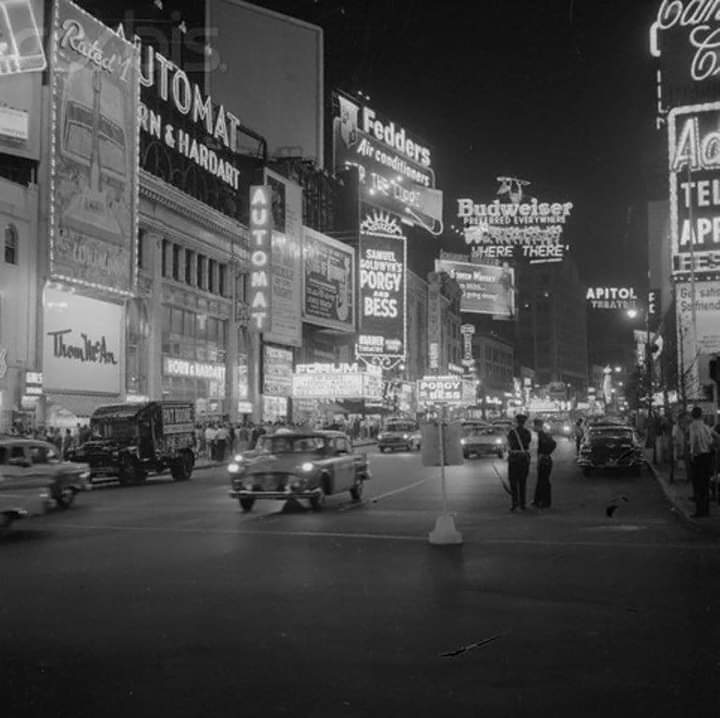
{"type": "Point", "coordinates": [166, 599]}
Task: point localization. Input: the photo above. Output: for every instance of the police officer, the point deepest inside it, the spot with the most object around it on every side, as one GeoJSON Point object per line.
{"type": "Point", "coordinates": [518, 440]}
{"type": "Point", "coordinates": [546, 445]}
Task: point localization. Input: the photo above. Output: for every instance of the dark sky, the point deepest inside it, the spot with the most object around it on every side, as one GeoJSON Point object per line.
{"type": "Point", "coordinates": [559, 92]}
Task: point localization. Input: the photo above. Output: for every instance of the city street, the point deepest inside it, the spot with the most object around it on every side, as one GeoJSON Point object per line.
{"type": "Point", "coordinates": [167, 599]}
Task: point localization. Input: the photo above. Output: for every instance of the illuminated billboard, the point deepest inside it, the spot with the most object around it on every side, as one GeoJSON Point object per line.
{"type": "Point", "coordinates": [259, 290]}
{"type": "Point", "coordinates": [21, 43]}
{"type": "Point", "coordinates": [337, 381]}
{"type": "Point", "coordinates": [382, 290]}
{"type": "Point", "coordinates": [693, 137]}
{"type": "Point", "coordinates": [612, 297]}
{"type": "Point", "coordinates": [515, 227]}
{"type": "Point", "coordinates": [328, 282]}
{"type": "Point", "coordinates": [93, 150]}
{"type": "Point", "coordinates": [394, 167]}
{"type": "Point", "coordinates": [486, 289]}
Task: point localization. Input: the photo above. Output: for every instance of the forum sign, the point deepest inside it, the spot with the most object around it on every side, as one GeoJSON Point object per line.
{"type": "Point", "coordinates": [513, 227]}
{"type": "Point", "coordinates": [394, 167]}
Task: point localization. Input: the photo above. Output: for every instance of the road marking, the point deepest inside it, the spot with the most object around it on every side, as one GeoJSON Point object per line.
{"type": "Point", "coordinates": [375, 499]}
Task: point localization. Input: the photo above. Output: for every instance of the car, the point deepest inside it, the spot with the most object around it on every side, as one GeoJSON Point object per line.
{"type": "Point", "coordinates": [610, 446]}
{"type": "Point", "coordinates": [30, 459]}
{"type": "Point", "coordinates": [22, 497]}
{"type": "Point", "coordinates": [504, 426]}
{"type": "Point", "coordinates": [400, 434]}
{"type": "Point", "coordinates": [298, 465]}
{"type": "Point", "coordinates": [481, 438]}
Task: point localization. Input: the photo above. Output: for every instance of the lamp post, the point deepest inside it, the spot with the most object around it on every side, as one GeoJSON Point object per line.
{"type": "Point", "coordinates": [633, 314]}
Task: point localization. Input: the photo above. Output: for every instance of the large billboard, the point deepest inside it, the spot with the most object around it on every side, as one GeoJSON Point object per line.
{"type": "Point", "coordinates": [93, 152]}
{"type": "Point", "coordinates": [286, 268]}
{"type": "Point", "coordinates": [328, 282]}
{"type": "Point", "coordinates": [270, 67]}
{"type": "Point", "coordinates": [486, 289]}
{"type": "Point", "coordinates": [394, 167]}
{"type": "Point", "coordinates": [693, 136]}
{"type": "Point", "coordinates": [277, 371]}
{"type": "Point", "coordinates": [382, 290]}
{"type": "Point", "coordinates": [698, 341]}
{"type": "Point", "coordinates": [684, 38]}
{"type": "Point", "coordinates": [82, 344]}
{"type": "Point", "coordinates": [337, 381]}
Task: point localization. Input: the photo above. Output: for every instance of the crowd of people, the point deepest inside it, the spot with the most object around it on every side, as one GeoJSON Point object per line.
{"type": "Point", "coordinates": [64, 439]}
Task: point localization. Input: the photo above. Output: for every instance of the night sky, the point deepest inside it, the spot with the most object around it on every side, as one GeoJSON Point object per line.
{"type": "Point", "coordinates": [558, 92]}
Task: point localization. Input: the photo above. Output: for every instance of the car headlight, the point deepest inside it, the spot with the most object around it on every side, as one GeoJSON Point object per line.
{"type": "Point", "coordinates": [566, 429]}
{"type": "Point", "coordinates": [84, 475]}
{"type": "Point", "coordinates": [307, 466]}
{"type": "Point", "coordinates": [498, 441]}
{"type": "Point", "coordinates": [238, 458]}
{"type": "Point", "coordinates": [234, 467]}
{"type": "Point", "coordinates": [406, 436]}
{"type": "Point", "coordinates": [463, 441]}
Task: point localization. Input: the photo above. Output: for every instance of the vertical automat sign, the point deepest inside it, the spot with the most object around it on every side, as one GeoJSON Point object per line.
{"type": "Point", "coordinates": [260, 257]}
{"type": "Point", "coordinates": [93, 152]}
{"type": "Point", "coordinates": [382, 335]}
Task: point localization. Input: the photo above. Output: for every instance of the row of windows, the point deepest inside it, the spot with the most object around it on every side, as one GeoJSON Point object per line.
{"type": "Point", "coordinates": [193, 329]}
{"type": "Point", "coordinates": [194, 269]}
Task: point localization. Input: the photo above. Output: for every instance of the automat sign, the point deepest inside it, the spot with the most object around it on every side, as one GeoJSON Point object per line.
{"type": "Point", "coordinates": [694, 150]}
{"type": "Point", "coordinates": [260, 257]}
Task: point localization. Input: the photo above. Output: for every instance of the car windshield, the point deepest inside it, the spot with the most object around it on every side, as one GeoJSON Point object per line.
{"type": "Point", "coordinates": [611, 432]}
{"type": "Point", "coordinates": [291, 444]}
{"type": "Point", "coordinates": [469, 429]}
{"type": "Point", "coordinates": [119, 429]}
{"type": "Point", "coordinates": [400, 426]}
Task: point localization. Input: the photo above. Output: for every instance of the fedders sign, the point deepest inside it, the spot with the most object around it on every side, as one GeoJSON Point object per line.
{"type": "Point", "coordinates": [260, 257]}
{"type": "Point", "coordinates": [382, 288]}
{"type": "Point", "coordinates": [694, 151]}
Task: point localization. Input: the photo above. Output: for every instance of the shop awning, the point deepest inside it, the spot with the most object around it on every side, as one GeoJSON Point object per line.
{"type": "Point", "coordinates": [66, 406]}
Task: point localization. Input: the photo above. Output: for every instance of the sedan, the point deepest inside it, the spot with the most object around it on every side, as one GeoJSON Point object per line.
{"type": "Point", "coordinates": [610, 447]}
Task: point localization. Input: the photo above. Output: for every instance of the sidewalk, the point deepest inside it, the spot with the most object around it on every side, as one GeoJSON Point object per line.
{"type": "Point", "coordinates": [202, 462]}
{"type": "Point", "coordinates": [678, 492]}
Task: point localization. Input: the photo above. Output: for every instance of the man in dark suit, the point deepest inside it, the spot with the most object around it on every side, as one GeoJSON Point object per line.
{"type": "Point", "coordinates": [518, 439]}
{"type": "Point", "coordinates": [546, 445]}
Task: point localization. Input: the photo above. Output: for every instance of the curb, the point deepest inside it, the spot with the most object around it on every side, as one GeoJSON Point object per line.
{"type": "Point", "coordinates": [677, 510]}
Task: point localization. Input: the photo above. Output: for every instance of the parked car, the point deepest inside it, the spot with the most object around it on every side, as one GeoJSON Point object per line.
{"type": "Point", "coordinates": [400, 434]}
{"type": "Point", "coordinates": [28, 460]}
{"type": "Point", "coordinates": [298, 465]}
{"type": "Point", "coordinates": [610, 446]}
{"type": "Point", "coordinates": [482, 438]}
{"type": "Point", "coordinates": [131, 440]}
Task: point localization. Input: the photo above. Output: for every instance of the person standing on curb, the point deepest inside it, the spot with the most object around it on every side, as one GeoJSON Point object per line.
{"type": "Point", "coordinates": [702, 440]}
{"type": "Point", "coordinates": [518, 439]}
{"type": "Point", "coordinates": [545, 446]}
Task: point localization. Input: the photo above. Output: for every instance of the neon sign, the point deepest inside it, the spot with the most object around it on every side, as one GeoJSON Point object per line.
{"type": "Point", "coordinates": [21, 47]}
{"type": "Point", "coordinates": [612, 297]}
{"type": "Point", "coordinates": [260, 256]}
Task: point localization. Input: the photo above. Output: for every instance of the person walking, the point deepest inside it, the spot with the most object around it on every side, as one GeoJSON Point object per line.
{"type": "Point", "coordinates": [518, 439]}
{"type": "Point", "coordinates": [545, 446]}
{"type": "Point", "coordinates": [702, 439]}
{"type": "Point", "coordinates": [579, 433]}
{"type": "Point", "coordinates": [210, 434]}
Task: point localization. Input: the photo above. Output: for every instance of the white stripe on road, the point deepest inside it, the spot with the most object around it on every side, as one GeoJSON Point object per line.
{"type": "Point", "coordinates": [375, 499]}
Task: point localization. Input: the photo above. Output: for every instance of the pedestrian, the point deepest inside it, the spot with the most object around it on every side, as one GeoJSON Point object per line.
{"type": "Point", "coordinates": [518, 440]}
{"type": "Point", "coordinates": [579, 433]}
{"type": "Point", "coordinates": [545, 446]}
{"type": "Point", "coordinates": [221, 442]}
{"type": "Point", "coordinates": [702, 446]}
{"type": "Point", "coordinates": [67, 443]}
{"type": "Point", "coordinates": [210, 440]}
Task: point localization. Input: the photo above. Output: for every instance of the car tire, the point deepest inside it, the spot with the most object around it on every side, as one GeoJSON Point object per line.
{"type": "Point", "coordinates": [246, 504]}
{"type": "Point", "coordinates": [126, 474]}
{"type": "Point", "coordinates": [65, 497]}
{"type": "Point", "coordinates": [587, 471]}
{"type": "Point", "coordinates": [181, 468]}
{"type": "Point", "coordinates": [466, 454]}
{"type": "Point", "coordinates": [6, 521]}
{"type": "Point", "coordinates": [636, 470]}
{"type": "Point", "coordinates": [382, 449]}
{"type": "Point", "coordinates": [317, 502]}
{"type": "Point", "coordinates": [356, 491]}
{"type": "Point", "coordinates": [501, 453]}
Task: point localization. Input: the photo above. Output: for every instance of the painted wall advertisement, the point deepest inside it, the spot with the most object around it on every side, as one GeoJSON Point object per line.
{"type": "Point", "coordinates": [328, 282]}
{"type": "Point", "coordinates": [485, 289]}
{"type": "Point", "coordinates": [382, 288]}
{"type": "Point", "coordinates": [395, 168]}
{"type": "Point", "coordinates": [93, 188]}
{"type": "Point", "coordinates": [693, 137]}
{"type": "Point", "coordinates": [81, 344]}
{"type": "Point", "coordinates": [694, 353]}
{"type": "Point", "coordinates": [277, 371]}
{"type": "Point", "coordinates": [286, 270]}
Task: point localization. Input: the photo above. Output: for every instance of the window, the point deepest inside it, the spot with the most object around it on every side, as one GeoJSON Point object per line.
{"type": "Point", "coordinates": [222, 280]}
{"type": "Point", "coordinates": [140, 249]}
{"type": "Point", "coordinates": [211, 275]}
{"type": "Point", "coordinates": [11, 244]}
{"type": "Point", "coordinates": [38, 454]}
{"type": "Point", "coordinates": [189, 255]}
{"type": "Point", "coordinates": [176, 262]}
{"type": "Point", "coordinates": [200, 274]}
{"type": "Point", "coordinates": [163, 268]}
{"type": "Point", "coordinates": [3, 455]}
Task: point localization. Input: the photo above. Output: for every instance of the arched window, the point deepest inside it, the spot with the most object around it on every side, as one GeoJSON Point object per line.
{"type": "Point", "coordinates": [11, 244]}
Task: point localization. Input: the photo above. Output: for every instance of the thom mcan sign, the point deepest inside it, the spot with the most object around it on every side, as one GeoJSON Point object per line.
{"type": "Point", "coordinates": [260, 257]}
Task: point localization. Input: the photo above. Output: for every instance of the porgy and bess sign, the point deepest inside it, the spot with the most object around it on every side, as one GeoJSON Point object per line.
{"type": "Point", "coordinates": [394, 167]}
{"type": "Point", "coordinates": [486, 289]}
{"type": "Point", "coordinates": [685, 37]}
{"type": "Point", "coordinates": [93, 152]}
{"type": "Point", "coordinates": [512, 227]}
{"type": "Point", "coordinates": [694, 151]}
{"type": "Point", "coordinates": [448, 389]}
{"type": "Point", "coordinates": [382, 289]}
